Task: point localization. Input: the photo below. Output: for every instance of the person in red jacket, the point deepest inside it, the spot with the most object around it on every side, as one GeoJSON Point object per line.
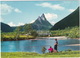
{"type": "Point", "coordinates": [50, 49]}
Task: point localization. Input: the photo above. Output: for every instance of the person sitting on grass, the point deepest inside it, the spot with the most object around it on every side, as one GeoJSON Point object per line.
{"type": "Point", "coordinates": [50, 49]}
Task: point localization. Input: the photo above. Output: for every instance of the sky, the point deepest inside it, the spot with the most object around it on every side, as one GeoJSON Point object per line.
{"type": "Point", "coordinates": [16, 13]}
{"type": "Point", "coordinates": [39, 0]}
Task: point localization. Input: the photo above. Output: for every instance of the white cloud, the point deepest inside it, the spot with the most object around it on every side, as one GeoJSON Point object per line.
{"type": "Point", "coordinates": [51, 16]}
{"type": "Point", "coordinates": [52, 23]}
{"type": "Point", "coordinates": [6, 9]}
{"type": "Point", "coordinates": [12, 24]}
{"type": "Point", "coordinates": [32, 21]}
{"type": "Point", "coordinates": [19, 24]}
{"type": "Point", "coordinates": [1, 19]}
{"type": "Point", "coordinates": [71, 10]}
{"type": "Point", "coordinates": [49, 5]}
{"type": "Point", "coordinates": [17, 10]}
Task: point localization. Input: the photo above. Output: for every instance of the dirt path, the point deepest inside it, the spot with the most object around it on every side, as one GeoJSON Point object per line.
{"type": "Point", "coordinates": [73, 45]}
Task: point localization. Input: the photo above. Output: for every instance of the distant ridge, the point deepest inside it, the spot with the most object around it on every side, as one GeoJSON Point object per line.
{"type": "Point", "coordinates": [70, 21]}
{"type": "Point", "coordinates": [5, 27]}
{"type": "Point", "coordinates": [40, 23]}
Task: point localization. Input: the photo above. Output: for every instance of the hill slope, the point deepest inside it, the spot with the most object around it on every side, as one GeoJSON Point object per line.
{"type": "Point", "coordinates": [5, 27]}
{"type": "Point", "coordinates": [69, 21]}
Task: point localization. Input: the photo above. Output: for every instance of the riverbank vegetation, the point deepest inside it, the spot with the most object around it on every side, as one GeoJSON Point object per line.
{"type": "Point", "coordinates": [29, 33]}
{"type": "Point", "coordinates": [20, 33]}
{"type": "Point", "coordinates": [71, 32]}
{"type": "Point", "coordinates": [15, 36]}
{"type": "Point", "coordinates": [32, 54]}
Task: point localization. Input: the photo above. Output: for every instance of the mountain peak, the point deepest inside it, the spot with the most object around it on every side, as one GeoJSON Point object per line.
{"type": "Point", "coordinates": [43, 17]}
{"type": "Point", "coordinates": [39, 19]}
{"type": "Point", "coordinates": [41, 23]}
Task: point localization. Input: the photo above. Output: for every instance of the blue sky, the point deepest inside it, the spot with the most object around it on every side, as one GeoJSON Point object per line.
{"type": "Point", "coordinates": [15, 13]}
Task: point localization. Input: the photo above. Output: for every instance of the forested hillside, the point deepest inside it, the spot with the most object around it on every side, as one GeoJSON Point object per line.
{"type": "Point", "coordinates": [70, 21]}
{"type": "Point", "coordinates": [5, 27]}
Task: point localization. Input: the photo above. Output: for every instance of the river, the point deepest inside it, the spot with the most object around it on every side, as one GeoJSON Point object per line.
{"type": "Point", "coordinates": [36, 45]}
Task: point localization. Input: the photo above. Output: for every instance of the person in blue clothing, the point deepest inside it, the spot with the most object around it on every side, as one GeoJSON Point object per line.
{"type": "Point", "coordinates": [55, 45]}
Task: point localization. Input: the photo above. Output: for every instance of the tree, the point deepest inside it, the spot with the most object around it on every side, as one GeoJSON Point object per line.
{"type": "Point", "coordinates": [18, 31]}
{"type": "Point", "coordinates": [27, 28]}
{"type": "Point", "coordinates": [34, 33]}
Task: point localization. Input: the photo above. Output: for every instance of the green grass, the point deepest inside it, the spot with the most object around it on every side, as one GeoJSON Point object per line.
{"type": "Point", "coordinates": [71, 32]}
{"type": "Point", "coordinates": [11, 36]}
{"type": "Point", "coordinates": [26, 36]}
{"type": "Point", "coordinates": [32, 54]}
{"type": "Point", "coordinates": [20, 36]}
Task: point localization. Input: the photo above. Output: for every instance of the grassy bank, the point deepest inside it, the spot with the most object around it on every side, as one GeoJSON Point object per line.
{"type": "Point", "coordinates": [13, 36]}
{"type": "Point", "coordinates": [71, 32]}
{"type": "Point", "coordinates": [32, 55]}
{"type": "Point", "coordinates": [20, 37]}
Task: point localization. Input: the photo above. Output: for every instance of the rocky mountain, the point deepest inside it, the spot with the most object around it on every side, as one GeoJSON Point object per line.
{"type": "Point", "coordinates": [70, 21]}
{"type": "Point", "coordinates": [41, 23]}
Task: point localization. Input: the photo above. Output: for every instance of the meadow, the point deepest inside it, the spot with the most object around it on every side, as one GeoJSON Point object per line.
{"type": "Point", "coordinates": [36, 55]}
